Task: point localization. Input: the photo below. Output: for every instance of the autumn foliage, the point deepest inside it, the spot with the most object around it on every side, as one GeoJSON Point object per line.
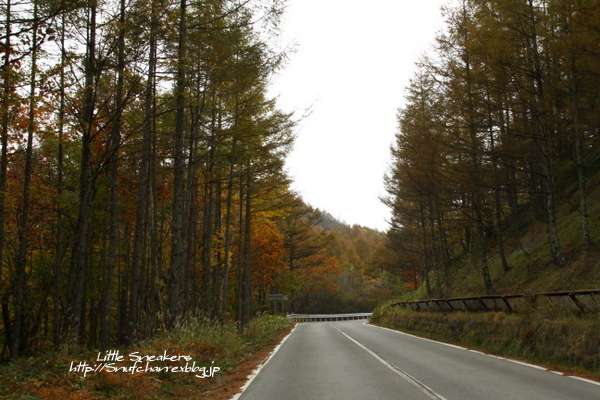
{"type": "Point", "coordinates": [142, 177]}
{"type": "Point", "coordinates": [499, 134]}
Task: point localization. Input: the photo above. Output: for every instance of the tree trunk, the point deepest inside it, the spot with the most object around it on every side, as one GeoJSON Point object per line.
{"type": "Point", "coordinates": [426, 261]}
{"type": "Point", "coordinates": [245, 260]}
{"type": "Point", "coordinates": [6, 96]}
{"type": "Point", "coordinates": [497, 202]}
{"type": "Point", "coordinates": [21, 262]}
{"type": "Point", "coordinates": [177, 241]}
{"type": "Point", "coordinates": [114, 147]}
{"type": "Point", "coordinates": [86, 180]}
{"type": "Point", "coordinates": [579, 138]}
{"type": "Point", "coordinates": [434, 254]}
{"type": "Point", "coordinates": [540, 124]}
{"type": "Point", "coordinates": [60, 246]}
{"type": "Point", "coordinates": [227, 239]}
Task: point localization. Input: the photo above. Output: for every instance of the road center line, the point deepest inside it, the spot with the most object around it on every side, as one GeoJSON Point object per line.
{"type": "Point", "coordinates": [421, 386]}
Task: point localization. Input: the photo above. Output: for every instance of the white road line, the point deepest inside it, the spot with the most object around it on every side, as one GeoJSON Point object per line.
{"type": "Point", "coordinates": [583, 379]}
{"type": "Point", "coordinates": [418, 337]}
{"type": "Point", "coordinates": [477, 352]}
{"type": "Point", "coordinates": [489, 355]}
{"type": "Point", "coordinates": [261, 366]}
{"type": "Point", "coordinates": [527, 364]}
{"type": "Point", "coordinates": [421, 386]}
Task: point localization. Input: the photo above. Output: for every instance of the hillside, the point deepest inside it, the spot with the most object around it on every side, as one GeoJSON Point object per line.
{"type": "Point", "coordinates": [531, 267]}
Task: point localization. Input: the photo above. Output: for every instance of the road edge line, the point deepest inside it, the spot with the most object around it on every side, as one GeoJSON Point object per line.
{"type": "Point", "coordinates": [261, 366]}
{"type": "Point", "coordinates": [512, 360]}
{"type": "Point", "coordinates": [482, 353]}
{"type": "Point", "coordinates": [454, 346]}
{"type": "Point", "coordinates": [579, 378]}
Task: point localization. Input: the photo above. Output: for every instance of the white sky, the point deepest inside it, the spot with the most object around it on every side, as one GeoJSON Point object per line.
{"type": "Point", "coordinates": [353, 60]}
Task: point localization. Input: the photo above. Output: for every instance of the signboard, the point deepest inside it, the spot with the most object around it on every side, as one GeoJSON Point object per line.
{"type": "Point", "coordinates": [278, 297]}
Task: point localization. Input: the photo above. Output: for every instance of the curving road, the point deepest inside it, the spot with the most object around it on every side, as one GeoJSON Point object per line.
{"type": "Point", "coordinates": [349, 360]}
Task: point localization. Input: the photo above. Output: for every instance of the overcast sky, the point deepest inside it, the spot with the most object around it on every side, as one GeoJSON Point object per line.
{"type": "Point", "coordinates": [353, 60]}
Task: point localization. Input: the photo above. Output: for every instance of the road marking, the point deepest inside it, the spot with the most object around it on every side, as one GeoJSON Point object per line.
{"type": "Point", "coordinates": [583, 379]}
{"type": "Point", "coordinates": [421, 386]}
{"type": "Point", "coordinates": [417, 337]}
{"type": "Point", "coordinates": [489, 355]}
{"type": "Point", "coordinates": [477, 352]}
{"type": "Point", "coordinates": [261, 366]}
{"type": "Point", "coordinates": [526, 364]}
{"type": "Point", "coordinates": [463, 348]}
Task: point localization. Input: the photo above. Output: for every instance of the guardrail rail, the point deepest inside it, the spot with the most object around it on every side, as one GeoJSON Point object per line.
{"type": "Point", "coordinates": [579, 301]}
{"type": "Point", "coordinates": [327, 317]}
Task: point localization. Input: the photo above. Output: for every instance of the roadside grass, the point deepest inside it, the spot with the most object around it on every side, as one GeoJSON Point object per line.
{"type": "Point", "coordinates": [549, 336]}
{"type": "Point", "coordinates": [208, 344]}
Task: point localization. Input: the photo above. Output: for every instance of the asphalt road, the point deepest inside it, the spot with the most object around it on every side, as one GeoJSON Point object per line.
{"type": "Point", "coordinates": [351, 360]}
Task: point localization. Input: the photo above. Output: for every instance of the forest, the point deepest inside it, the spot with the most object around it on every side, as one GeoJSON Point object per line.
{"type": "Point", "coordinates": [142, 177]}
{"type": "Point", "coordinates": [143, 180]}
{"type": "Point", "coordinates": [497, 150]}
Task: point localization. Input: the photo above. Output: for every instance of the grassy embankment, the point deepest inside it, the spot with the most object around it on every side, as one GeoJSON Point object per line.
{"type": "Point", "coordinates": [551, 336]}
{"type": "Point", "coordinates": [206, 343]}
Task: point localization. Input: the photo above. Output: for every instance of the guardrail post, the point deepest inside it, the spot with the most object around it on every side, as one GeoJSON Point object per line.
{"type": "Point", "coordinates": [579, 304]}
{"type": "Point", "coordinates": [505, 300]}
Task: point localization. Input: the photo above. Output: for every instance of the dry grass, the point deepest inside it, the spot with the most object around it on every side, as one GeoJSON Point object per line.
{"type": "Point", "coordinates": [207, 343]}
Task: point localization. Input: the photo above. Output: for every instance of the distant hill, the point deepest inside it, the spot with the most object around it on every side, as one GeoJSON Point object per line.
{"type": "Point", "coordinates": [330, 223]}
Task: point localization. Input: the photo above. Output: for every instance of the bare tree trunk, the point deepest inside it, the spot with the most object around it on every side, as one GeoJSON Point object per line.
{"type": "Point", "coordinates": [426, 261]}
{"type": "Point", "coordinates": [497, 202]}
{"type": "Point", "coordinates": [239, 269]}
{"type": "Point", "coordinates": [209, 219]}
{"type": "Point", "coordinates": [550, 206]}
{"type": "Point", "coordinates": [6, 95]}
{"type": "Point", "coordinates": [583, 209]}
{"type": "Point", "coordinates": [217, 269]}
{"type": "Point", "coordinates": [190, 223]}
{"type": "Point", "coordinates": [177, 241]}
{"type": "Point", "coordinates": [21, 262]}
{"type": "Point", "coordinates": [540, 124]}
{"type": "Point", "coordinates": [444, 255]}
{"type": "Point", "coordinates": [86, 180]}
{"type": "Point", "coordinates": [485, 270]}
{"type": "Point", "coordinates": [245, 290]}
{"type": "Point", "coordinates": [142, 212]}
{"type": "Point", "coordinates": [60, 246]}
{"type": "Point", "coordinates": [227, 239]}
{"type": "Point", "coordinates": [114, 146]}
{"type": "Point", "coordinates": [579, 138]}
{"type": "Point", "coordinates": [155, 307]}
{"type": "Point", "coordinates": [434, 255]}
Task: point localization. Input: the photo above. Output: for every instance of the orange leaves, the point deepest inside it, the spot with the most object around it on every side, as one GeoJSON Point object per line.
{"type": "Point", "coordinates": [323, 273]}
{"type": "Point", "coordinates": [268, 255]}
{"type": "Point", "coordinates": [270, 260]}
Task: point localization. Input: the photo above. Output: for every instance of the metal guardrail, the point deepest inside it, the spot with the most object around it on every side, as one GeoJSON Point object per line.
{"type": "Point", "coordinates": [327, 317]}
{"type": "Point", "coordinates": [580, 301]}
